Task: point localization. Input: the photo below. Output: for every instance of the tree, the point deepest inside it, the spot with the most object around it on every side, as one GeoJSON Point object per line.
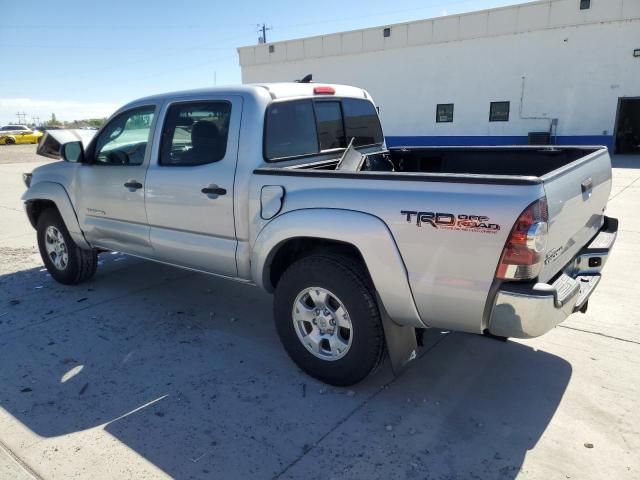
{"type": "Point", "coordinates": [53, 121]}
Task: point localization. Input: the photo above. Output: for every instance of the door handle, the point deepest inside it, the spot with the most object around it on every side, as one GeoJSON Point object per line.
{"type": "Point", "coordinates": [133, 185]}
{"type": "Point", "coordinates": [587, 185]}
{"type": "Point", "coordinates": [214, 190]}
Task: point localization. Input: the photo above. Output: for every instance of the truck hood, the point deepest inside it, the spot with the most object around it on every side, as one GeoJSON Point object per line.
{"type": "Point", "coordinates": [49, 145]}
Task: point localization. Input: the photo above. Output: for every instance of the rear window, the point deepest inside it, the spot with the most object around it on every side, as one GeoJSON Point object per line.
{"type": "Point", "coordinates": [330, 127]}
{"type": "Point", "coordinates": [306, 127]}
{"type": "Point", "coordinates": [361, 122]}
{"type": "Point", "coordinates": [290, 130]}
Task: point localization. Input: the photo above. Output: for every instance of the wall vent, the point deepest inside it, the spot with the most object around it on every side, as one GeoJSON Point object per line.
{"type": "Point", "coordinates": [386, 32]}
{"type": "Point", "coordinates": [585, 4]}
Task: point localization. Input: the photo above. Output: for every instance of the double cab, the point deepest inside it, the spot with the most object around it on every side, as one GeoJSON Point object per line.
{"type": "Point", "coordinates": [290, 187]}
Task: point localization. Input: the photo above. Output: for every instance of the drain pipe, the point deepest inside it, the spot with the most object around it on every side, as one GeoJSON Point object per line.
{"type": "Point", "coordinates": [553, 122]}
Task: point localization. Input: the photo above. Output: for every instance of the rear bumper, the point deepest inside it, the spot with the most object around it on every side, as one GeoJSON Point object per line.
{"type": "Point", "coordinates": [531, 310]}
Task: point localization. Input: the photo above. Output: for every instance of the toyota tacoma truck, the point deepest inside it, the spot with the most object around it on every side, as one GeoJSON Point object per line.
{"type": "Point", "coordinates": [290, 187]}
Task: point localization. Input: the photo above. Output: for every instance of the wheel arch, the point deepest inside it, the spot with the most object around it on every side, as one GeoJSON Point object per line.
{"type": "Point", "coordinates": [298, 233]}
{"type": "Point", "coordinates": [44, 195]}
{"type": "Point", "coordinates": [296, 248]}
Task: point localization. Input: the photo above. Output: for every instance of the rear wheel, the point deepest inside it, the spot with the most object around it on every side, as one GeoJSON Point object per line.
{"type": "Point", "coordinates": [65, 261]}
{"type": "Point", "coordinates": [328, 320]}
{"type": "Point", "coordinates": [9, 141]}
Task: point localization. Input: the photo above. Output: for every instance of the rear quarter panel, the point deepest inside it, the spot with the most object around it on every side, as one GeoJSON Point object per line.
{"type": "Point", "coordinates": [450, 271]}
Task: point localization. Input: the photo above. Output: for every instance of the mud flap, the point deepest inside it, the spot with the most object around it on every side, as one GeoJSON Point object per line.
{"type": "Point", "coordinates": [402, 346]}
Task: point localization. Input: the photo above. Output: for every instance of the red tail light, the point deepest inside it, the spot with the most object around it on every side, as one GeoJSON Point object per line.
{"type": "Point", "coordinates": [324, 90]}
{"type": "Point", "coordinates": [523, 254]}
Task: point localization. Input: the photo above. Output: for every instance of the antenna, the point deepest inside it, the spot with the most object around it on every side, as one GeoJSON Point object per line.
{"type": "Point", "coordinates": [306, 79]}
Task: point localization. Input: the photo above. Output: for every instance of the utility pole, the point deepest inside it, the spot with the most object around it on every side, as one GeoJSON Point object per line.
{"type": "Point", "coordinates": [22, 117]}
{"type": "Point", "coordinates": [263, 28]}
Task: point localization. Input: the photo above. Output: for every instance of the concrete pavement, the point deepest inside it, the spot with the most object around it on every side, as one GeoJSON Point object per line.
{"type": "Point", "coordinates": [153, 372]}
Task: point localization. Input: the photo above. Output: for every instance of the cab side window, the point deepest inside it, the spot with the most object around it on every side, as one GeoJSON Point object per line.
{"type": "Point", "coordinates": [124, 140]}
{"type": "Point", "coordinates": [195, 133]}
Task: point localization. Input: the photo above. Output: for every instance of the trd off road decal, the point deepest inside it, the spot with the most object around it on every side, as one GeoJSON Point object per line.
{"type": "Point", "coordinates": [449, 221]}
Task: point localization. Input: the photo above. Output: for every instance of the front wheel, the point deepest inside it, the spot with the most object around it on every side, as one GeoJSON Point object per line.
{"type": "Point", "coordinates": [328, 320]}
{"type": "Point", "coordinates": [65, 261]}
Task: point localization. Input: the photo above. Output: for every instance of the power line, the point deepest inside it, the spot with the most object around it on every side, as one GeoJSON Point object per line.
{"type": "Point", "coordinates": [89, 47]}
{"type": "Point", "coordinates": [446, 4]}
{"type": "Point", "coordinates": [93, 27]}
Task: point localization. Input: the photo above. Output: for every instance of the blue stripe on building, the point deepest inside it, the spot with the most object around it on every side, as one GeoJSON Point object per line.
{"type": "Point", "coordinates": [485, 141]}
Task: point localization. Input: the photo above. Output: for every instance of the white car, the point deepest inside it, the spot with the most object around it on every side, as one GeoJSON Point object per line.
{"type": "Point", "coordinates": [14, 128]}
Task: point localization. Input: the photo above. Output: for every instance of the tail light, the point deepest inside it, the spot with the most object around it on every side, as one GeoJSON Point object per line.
{"type": "Point", "coordinates": [523, 254]}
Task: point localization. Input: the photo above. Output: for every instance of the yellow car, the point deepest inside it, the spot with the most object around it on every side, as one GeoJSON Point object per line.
{"type": "Point", "coordinates": [18, 134]}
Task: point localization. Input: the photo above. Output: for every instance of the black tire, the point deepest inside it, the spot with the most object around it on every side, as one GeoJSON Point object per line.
{"type": "Point", "coordinates": [9, 141]}
{"type": "Point", "coordinates": [81, 264]}
{"type": "Point", "coordinates": [347, 279]}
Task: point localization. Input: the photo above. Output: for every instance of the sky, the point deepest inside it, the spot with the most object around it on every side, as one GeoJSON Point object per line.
{"type": "Point", "coordinates": [83, 59]}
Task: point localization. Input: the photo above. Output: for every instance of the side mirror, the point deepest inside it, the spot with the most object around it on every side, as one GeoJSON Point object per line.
{"type": "Point", "coordinates": [72, 152]}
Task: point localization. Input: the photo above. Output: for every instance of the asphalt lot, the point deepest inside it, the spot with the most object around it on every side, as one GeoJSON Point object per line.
{"type": "Point", "coordinates": [152, 372]}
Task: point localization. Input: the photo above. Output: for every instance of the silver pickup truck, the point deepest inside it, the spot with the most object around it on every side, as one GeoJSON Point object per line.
{"type": "Point", "coordinates": [290, 187]}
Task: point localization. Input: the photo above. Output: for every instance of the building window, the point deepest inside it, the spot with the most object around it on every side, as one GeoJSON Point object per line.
{"type": "Point", "coordinates": [499, 112]}
{"type": "Point", "coordinates": [386, 32]}
{"type": "Point", "coordinates": [585, 4]}
{"type": "Point", "coordinates": [444, 113]}
{"type": "Point", "coordinates": [272, 48]}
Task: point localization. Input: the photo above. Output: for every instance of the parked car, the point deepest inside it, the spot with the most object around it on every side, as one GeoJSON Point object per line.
{"type": "Point", "coordinates": [14, 128]}
{"type": "Point", "coordinates": [290, 187]}
{"type": "Point", "coordinates": [18, 134]}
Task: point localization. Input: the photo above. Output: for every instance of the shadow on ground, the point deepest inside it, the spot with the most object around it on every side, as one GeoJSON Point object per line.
{"type": "Point", "coordinates": [187, 371]}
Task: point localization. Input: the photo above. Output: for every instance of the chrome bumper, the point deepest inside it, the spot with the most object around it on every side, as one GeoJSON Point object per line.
{"type": "Point", "coordinates": [528, 311]}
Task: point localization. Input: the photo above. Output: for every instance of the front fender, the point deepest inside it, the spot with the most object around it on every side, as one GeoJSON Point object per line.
{"type": "Point", "coordinates": [56, 193]}
{"type": "Point", "coordinates": [367, 233]}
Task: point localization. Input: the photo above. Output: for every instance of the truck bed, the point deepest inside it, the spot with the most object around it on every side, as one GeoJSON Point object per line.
{"type": "Point", "coordinates": [576, 182]}
{"type": "Point", "coordinates": [519, 161]}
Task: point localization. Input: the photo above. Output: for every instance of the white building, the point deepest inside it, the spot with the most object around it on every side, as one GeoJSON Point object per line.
{"type": "Point", "coordinates": [570, 67]}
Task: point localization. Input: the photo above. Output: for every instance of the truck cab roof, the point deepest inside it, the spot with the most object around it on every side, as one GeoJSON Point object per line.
{"type": "Point", "coordinates": [275, 91]}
